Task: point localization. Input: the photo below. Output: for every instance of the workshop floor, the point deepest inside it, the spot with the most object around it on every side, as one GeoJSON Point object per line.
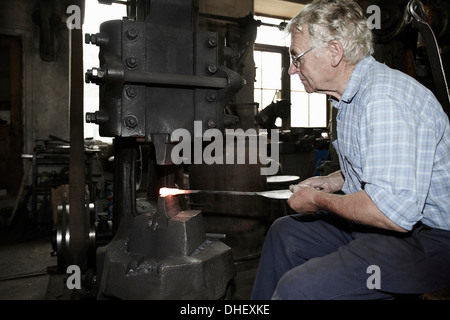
{"type": "Point", "coordinates": [28, 268]}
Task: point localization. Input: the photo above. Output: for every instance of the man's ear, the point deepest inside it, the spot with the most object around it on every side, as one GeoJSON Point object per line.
{"type": "Point", "coordinates": [336, 52]}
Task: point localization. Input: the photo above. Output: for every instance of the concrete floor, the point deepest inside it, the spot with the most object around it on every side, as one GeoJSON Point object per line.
{"type": "Point", "coordinates": [25, 256]}
{"type": "Point", "coordinates": [23, 269]}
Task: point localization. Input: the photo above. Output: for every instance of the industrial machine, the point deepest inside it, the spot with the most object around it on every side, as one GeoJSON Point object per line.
{"type": "Point", "coordinates": [158, 72]}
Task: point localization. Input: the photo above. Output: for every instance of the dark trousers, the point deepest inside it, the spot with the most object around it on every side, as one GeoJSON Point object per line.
{"type": "Point", "coordinates": [326, 257]}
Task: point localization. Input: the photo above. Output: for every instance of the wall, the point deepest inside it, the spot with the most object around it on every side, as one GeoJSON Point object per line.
{"type": "Point", "coordinates": [45, 84]}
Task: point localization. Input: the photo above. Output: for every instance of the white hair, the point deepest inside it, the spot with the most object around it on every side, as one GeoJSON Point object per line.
{"type": "Point", "coordinates": [341, 20]}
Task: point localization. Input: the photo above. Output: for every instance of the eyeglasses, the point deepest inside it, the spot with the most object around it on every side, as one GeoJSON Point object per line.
{"type": "Point", "coordinates": [296, 59]}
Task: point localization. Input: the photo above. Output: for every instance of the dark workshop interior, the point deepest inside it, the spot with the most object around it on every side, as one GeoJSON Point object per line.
{"type": "Point", "coordinates": [96, 98]}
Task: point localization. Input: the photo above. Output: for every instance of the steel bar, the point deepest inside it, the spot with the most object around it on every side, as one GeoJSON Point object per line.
{"type": "Point", "coordinates": [273, 194]}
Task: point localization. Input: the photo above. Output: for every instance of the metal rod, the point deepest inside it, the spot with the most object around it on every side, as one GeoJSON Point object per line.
{"type": "Point", "coordinates": [175, 79]}
{"type": "Point", "coordinates": [175, 191]}
{"type": "Point", "coordinates": [233, 193]}
{"type": "Point", "coordinates": [274, 194]}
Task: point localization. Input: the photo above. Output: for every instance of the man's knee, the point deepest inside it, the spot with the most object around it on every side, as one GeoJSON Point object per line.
{"type": "Point", "coordinates": [289, 288]}
{"type": "Point", "coordinates": [284, 224]}
{"type": "Point", "coordinates": [280, 223]}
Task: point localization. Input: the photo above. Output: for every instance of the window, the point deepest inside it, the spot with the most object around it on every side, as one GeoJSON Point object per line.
{"type": "Point", "coordinates": [268, 77]}
{"type": "Point", "coordinates": [96, 14]}
{"type": "Point", "coordinates": [272, 61]}
{"type": "Point", "coordinates": [307, 110]}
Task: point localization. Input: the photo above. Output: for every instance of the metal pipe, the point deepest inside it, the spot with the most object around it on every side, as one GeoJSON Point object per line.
{"type": "Point", "coordinates": [175, 79]}
{"type": "Point", "coordinates": [98, 75]}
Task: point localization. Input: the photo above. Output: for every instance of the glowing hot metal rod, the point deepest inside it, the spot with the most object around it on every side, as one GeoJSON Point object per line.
{"type": "Point", "coordinates": [273, 194]}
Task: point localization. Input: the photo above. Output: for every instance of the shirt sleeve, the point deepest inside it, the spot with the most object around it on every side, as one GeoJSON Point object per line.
{"type": "Point", "coordinates": [396, 160]}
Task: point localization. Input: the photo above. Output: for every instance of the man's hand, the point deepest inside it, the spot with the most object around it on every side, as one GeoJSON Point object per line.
{"type": "Point", "coordinates": [302, 199]}
{"type": "Point", "coordinates": [330, 183]}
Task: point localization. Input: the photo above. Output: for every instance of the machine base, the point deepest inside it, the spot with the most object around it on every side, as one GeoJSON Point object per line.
{"type": "Point", "coordinates": [173, 263]}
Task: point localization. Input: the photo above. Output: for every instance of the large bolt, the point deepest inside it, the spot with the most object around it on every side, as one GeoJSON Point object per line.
{"type": "Point", "coordinates": [91, 117]}
{"type": "Point", "coordinates": [211, 123]}
{"type": "Point", "coordinates": [98, 117]}
{"type": "Point", "coordinates": [212, 68]}
{"type": "Point", "coordinates": [212, 42]}
{"type": "Point", "coordinates": [131, 34]}
{"type": "Point", "coordinates": [94, 75]}
{"type": "Point", "coordinates": [97, 39]}
{"type": "Point", "coordinates": [131, 62]}
{"type": "Point", "coordinates": [211, 97]}
{"type": "Point", "coordinates": [131, 122]}
{"type": "Point", "coordinates": [87, 38]}
{"type": "Point", "coordinates": [131, 92]}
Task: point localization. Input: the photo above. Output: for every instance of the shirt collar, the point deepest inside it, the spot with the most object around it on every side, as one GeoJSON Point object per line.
{"type": "Point", "coordinates": [356, 78]}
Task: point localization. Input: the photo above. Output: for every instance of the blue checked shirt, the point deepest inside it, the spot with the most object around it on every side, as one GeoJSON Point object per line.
{"type": "Point", "coordinates": [393, 141]}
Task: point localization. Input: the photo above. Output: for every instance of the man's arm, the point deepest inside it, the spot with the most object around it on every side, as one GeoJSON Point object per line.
{"type": "Point", "coordinates": [358, 206]}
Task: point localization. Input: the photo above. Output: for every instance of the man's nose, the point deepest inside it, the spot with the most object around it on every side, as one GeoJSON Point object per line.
{"type": "Point", "coordinates": [292, 69]}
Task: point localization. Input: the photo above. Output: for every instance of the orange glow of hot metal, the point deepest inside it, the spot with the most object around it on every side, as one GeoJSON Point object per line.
{"type": "Point", "coordinates": [164, 192]}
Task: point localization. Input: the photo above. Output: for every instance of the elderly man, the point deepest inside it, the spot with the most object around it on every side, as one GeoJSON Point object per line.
{"type": "Point", "coordinates": [388, 231]}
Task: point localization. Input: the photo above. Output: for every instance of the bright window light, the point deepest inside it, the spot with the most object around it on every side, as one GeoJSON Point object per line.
{"type": "Point", "coordinates": [307, 110]}
{"type": "Point", "coordinates": [271, 35]}
{"type": "Point", "coordinates": [96, 14]}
